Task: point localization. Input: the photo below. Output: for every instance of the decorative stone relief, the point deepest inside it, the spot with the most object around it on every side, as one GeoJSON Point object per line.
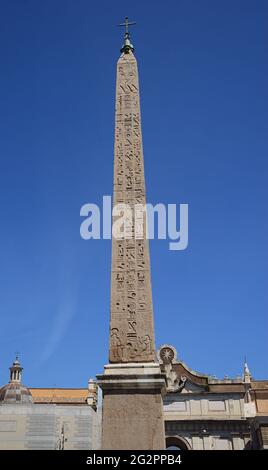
{"type": "Point", "coordinates": [167, 355]}
{"type": "Point", "coordinates": [131, 322]}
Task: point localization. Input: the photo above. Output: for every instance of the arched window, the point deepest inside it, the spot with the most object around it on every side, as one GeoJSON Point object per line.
{"type": "Point", "coordinates": [177, 443]}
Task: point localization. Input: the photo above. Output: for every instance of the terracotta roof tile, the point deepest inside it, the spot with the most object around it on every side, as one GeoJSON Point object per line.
{"type": "Point", "coordinates": [60, 395]}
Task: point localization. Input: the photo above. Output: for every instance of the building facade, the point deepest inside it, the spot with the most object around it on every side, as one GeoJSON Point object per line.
{"type": "Point", "coordinates": [258, 397]}
{"type": "Point", "coordinates": [200, 412]}
{"type": "Point", "coordinates": [47, 418]}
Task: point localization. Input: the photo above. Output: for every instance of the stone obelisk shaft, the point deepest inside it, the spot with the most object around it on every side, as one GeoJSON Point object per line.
{"type": "Point", "coordinates": [131, 314]}
{"type": "Point", "coordinates": [132, 383]}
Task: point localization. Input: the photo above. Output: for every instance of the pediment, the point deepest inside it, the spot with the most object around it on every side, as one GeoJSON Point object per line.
{"type": "Point", "coordinates": [180, 378]}
{"type": "Point", "coordinates": [182, 369]}
{"type": "Point", "coordinates": [191, 387]}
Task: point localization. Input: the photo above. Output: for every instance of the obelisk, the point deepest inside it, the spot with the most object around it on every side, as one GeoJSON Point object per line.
{"type": "Point", "coordinates": [132, 382]}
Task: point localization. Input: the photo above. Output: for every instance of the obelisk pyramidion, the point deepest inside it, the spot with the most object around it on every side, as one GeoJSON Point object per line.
{"type": "Point", "coordinates": [132, 383]}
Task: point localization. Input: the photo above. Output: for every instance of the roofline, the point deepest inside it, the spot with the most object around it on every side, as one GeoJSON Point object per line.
{"type": "Point", "coordinates": [57, 388]}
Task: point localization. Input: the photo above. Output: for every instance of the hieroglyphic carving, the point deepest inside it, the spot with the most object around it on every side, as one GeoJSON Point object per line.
{"type": "Point", "coordinates": [116, 351]}
{"type": "Point", "coordinates": [131, 325]}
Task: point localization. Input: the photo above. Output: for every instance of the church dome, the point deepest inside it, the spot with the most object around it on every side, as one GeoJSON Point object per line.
{"type": "Point", "coordinates": [15, 391]}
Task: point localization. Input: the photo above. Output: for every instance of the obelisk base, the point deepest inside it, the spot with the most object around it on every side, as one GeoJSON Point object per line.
{"type": "Point", "coordinates": [133, 416]}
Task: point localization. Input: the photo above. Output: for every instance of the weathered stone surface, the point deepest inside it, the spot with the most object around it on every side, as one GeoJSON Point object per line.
{"type": "Point", "coordinates": [133, 421]}
{"type": "Point", "coordinates": [132, 382]}
{"type": "Point", "coordinates": [131, 317]}
{"type": "Point", "coordinates": [133, 406]}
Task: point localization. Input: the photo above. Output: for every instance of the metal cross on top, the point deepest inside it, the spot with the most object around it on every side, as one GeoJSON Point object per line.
{"type": "Point", "coordinates": [127, 24]}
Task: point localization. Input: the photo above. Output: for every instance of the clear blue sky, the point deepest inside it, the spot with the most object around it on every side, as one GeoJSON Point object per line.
{"type": "Point", "coordinates": [203, 74]}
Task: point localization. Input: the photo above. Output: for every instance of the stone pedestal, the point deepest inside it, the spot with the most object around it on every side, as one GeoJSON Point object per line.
{"type": "Point", "coordinates": [133, 407]}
